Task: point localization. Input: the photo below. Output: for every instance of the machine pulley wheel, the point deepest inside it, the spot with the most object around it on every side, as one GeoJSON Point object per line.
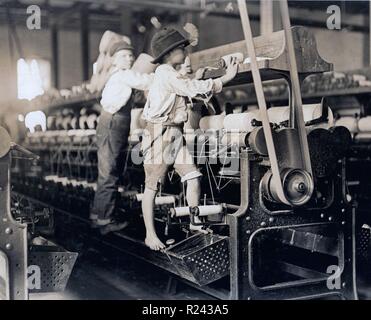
{"type": "Point", "coordinates": [297, 185]}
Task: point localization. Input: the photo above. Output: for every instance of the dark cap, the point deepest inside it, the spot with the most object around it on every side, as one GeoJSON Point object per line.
{"type": "Point", "coordinates": [119, 45]}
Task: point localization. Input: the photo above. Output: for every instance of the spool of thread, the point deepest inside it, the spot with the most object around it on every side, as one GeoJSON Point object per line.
{"type": "Point", "coordinates": [50, 178]}
{"type": "Point", "coordinates": [234, 138]}
{"type": "Point", "coordinates": [312, 111]}
{"type": "Point", "coordinates": [209, 210]}
{"type": "Point", "coordinates": [278, 114]}
{"type": "Point", "coordinates": [82, 122]}
{"type": "Point", "coordinates": [165, 200]}
{"type": "Point", "coordinates": [51, 123]}
{"type": "Point", "coordinates": [199, 210]}
{"type": "Point", "coordinates": [66, 123]}
{"type": "Point", "coordinates": [93, 185]}
{"type": "Point", "coordinates": [212, 122]}
{"type": "Point", "coordinates": [74, 182]}
{"type": "Point", "coordinates": [74, 122]}
{"type": "Point", "coordinates": [59, 122]}
{"type": "Point", "coordinates": [348, 122]}
{"type": "Point", "coordinates": [63, 180]}
{"type": "Point", "coordinates": [241, 121]}
{"type": "Point", "coordinates": [363, 137]}
{"type": "Point", "coordinates": [180, 211]}
{"type": "Point", "coordinates": [364, 124]}
{"type": "Point", "coordinates": [92, 121]}
{"type": "Point", "coordinates": [158, 200]}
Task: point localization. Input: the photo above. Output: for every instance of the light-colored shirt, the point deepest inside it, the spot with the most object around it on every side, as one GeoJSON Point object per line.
{"type": "Point", "coordinates": [118, 88]}
{"type": "Point", "coordinates": [168, 85]}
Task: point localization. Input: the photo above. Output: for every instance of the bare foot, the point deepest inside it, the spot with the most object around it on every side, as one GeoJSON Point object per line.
{"type": "Point", "coordinates": [154, 243]}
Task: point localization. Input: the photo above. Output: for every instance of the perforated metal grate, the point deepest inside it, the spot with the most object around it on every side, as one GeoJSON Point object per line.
{"type": "Point", "coordinates": [211, 263]}
{"type": "Point", "coordinates": [201, 259]}
{"type": "Point", "coordinates": [55, 268]}
{"type": "Point", "coordinates": [364, 242]}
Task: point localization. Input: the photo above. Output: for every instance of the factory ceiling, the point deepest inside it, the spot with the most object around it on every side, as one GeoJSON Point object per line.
{"type": "Point", "coordinates": [107, 14]}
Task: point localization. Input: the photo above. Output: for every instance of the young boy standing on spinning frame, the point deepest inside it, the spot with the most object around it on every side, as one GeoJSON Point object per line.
{"type": "Point", "coordinates": [165, 113]}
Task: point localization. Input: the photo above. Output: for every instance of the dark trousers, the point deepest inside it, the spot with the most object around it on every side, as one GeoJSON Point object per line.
{"type": "Point", "coordinates": [112, 140]}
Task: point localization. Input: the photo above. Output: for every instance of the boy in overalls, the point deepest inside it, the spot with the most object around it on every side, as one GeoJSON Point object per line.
{"type": "Point", "coordinates": [113, 132]}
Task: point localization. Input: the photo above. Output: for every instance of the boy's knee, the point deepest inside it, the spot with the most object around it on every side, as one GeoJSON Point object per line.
{"type": "Point", "coordinates": [149, 192]}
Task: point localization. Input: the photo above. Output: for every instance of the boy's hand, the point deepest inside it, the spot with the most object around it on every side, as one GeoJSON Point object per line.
{"type": "Point", "coordinates": [186, 68]}
{"type": "Point", "coordinates": [231, 70]}
{"type": "Point", "coordinates": [200, 73]}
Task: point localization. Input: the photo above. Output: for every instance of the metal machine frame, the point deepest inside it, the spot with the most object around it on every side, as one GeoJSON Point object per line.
{"type": "Point", "coordinates": [13, 238]}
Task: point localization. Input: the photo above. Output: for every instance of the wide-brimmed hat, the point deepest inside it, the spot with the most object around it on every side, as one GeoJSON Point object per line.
{"type": "Point", "coordinates": [119, 45]}
{"type": "Point", "coordinates": [166, 40]}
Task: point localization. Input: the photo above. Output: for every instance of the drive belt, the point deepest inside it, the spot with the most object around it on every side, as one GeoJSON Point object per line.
{"type": "Point", "coordinates": [261, 101]}
{"type": "Point", "coordinates": [298, 122]}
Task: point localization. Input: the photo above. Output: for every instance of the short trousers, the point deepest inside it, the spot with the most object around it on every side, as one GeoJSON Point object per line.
{"type": "Point", "coordinates": [164, 147]}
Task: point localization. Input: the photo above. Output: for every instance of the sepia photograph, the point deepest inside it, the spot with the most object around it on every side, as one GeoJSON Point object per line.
{"type": "Point", "coordinates": [185, 155]}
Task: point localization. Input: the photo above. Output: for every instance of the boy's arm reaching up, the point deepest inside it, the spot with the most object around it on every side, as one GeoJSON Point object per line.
{"type": "Point", "coordinates": [193, 87]}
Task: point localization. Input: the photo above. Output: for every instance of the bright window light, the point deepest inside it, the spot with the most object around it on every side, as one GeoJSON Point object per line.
{"type": "Point", "coordinates": [34, 119]}
{"type": "Point", "coordinates": [33, 78]}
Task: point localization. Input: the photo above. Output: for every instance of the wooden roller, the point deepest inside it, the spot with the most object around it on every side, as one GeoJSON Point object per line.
{"type": "Point", "coordinates": [272, 53]}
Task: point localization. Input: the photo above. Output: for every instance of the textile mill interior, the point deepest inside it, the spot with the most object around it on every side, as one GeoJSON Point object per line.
{"type": "Point", "coordinates": [185, 150]}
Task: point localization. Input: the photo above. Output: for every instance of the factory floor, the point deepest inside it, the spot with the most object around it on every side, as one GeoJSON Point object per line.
{"type": "Point", "coordinates": [96, 277]}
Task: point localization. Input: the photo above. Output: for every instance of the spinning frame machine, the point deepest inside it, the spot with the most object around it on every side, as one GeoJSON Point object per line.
{"type": "Point", "coordinates": [285, 212]}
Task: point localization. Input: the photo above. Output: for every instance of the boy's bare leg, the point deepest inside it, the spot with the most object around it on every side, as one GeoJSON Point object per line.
{"type": "Point", "coordinates": [152, 241]}
{"type": "Point", "coordinates": [193, 192]}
